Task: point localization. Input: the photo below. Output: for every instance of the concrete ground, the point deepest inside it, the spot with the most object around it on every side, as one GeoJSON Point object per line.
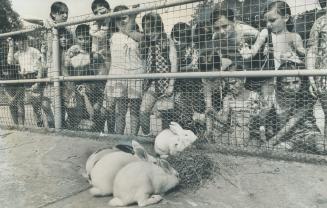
{"type": "Point", "coordinates": [44, 170]}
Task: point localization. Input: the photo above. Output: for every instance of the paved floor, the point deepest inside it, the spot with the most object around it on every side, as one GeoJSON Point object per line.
{"type": "Point", "coordinates": [44, 170]}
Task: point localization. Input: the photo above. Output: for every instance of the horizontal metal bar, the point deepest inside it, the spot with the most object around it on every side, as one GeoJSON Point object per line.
{"type": "Point", "coordinates": [160, 5]}
{"type": "Point", "coordinates": [181, 75]}
{"type": "Point", "coordinates": [4, 35]}
{"type": "Point", "coordinates": [25, 81]}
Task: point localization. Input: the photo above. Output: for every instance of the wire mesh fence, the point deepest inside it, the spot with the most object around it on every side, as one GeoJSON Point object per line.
{"type": "Point", "coordinates": [135, 69]}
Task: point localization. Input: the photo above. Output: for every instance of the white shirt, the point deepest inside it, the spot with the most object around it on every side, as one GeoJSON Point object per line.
{"type": "Point", "coordinates": [125, 55]}
{"type": "Point", "coordinates": [28, 60]}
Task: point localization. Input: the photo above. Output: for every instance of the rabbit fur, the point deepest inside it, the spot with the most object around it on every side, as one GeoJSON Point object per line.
{"type": "Point", "coordinates": [143, 183]}
{"type": "Point", "coordinates": [173, 140]}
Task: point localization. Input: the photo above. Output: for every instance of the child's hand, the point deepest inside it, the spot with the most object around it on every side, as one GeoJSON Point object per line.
{"type": "Point", "coordinates": [313, 87]}
{"type": "Point", "coordinates": [44, 48]}
{"type": "Point", "coordinates": [35, 87]}
{"type": "Point", "coordinates": [245, 52]}
{"type": "Point", "coordinates": [73, 51]}
{"type": "Point", "coordinates": [10, 42]}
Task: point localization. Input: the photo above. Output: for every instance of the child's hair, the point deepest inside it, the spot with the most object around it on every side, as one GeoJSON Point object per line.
{"type": "Point", "coordinates": [291, 66]}
{"type": "Point", "coordinates": [62, 31]}
{"type": "Point", "coordinates": [202, 32]}
{"type": "Point", "coordinates": [57, 7]}
{"type": "Point", "coordinates": [115, 19]}
{"type": "Point", "coordinates": [82, 29]}
{"type": "Point", "coordinates": [213, 65]}
{"type": "Point", "coordinates": [155, 20]}
{"type": "Point", "coordinates": [218, 12]}
{"type": "Point", "coordinates": [283, 9]}
{"type": "Point", "coordinates": [20, 37]}
{"type": "Point", "coordinates": [103, 3]}
{"type": "Point", "coordinates": [181, 26]}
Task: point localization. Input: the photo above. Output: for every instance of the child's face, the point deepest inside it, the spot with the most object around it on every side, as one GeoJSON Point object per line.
{"type": "Point", "coordinates": [291, 85]}
{"type": "Point", "coordinates": [124, 20]}
{"type": "Point", "coordinates": [275, 22]}
{"type": "Point", "coordinates": [150, 27]}
{"type": "Point", "coordinates": [63, 40]}
{"type": "Point", "coordinates": [61, 15]}
{"type": "Point", "coordinates": [235, 85]}
{"type": "Point", "coordinates": [84, 41]}
{"type": "Point", "coordinates": [223, 28]}
{"type": "Point", "coordinates": [21, 44]}
{"type": "Point", "coordinates": [100, 9]}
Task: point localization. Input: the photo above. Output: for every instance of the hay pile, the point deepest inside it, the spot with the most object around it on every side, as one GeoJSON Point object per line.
{"type": "Point", "coordinates": [194, 167]}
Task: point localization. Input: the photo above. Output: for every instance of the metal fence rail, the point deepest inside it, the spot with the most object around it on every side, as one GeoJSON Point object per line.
{"type": "Point", "coordinates": [124, 72]}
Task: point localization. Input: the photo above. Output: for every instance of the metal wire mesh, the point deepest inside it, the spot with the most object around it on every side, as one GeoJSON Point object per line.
{"type": "Point", "coordinates": [283, 112]}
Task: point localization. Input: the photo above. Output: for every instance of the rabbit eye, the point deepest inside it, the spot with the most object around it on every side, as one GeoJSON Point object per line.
{"type": "Point", "coordinates": [176, 145]}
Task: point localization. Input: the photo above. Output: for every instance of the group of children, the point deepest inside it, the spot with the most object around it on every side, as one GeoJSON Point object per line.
{"type": "Point", "coordinates": [238, 111]}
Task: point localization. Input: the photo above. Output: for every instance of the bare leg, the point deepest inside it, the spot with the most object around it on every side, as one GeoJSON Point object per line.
{"type": "Point", "coordinates": [135, 115]}
{"type": "Point", "coordinates": [122, 105]}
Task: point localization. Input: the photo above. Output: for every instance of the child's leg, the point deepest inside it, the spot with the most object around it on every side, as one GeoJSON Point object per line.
{"type": "Point", "coordinates": [111, 114]}
{"type": "Point", "coordinates": [166, 118]}
{"type": "Point", "coordinates": [21, 105]}
{"type": "Point", "coordinates": [13, 103]}
{"type": "Point", "coordinates": [47, 111]}
{"type": "Point", "coordinates": [148, 101]}
{"type": "Point", "coordinates": [135, 104]}
{"type": "Point", "coordinates": [122, 105]}
{"type": "Point", "coordinates": [36, 104]}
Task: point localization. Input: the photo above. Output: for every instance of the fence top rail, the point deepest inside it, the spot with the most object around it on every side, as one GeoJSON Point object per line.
{"type": "Point", "coordinates": [159, 5]}
{"type": "Point", "coordinates": [180, 75]}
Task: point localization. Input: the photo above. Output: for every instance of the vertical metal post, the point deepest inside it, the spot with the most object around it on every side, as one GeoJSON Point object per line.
{"type": "Point", "coordinates": [55, 76]}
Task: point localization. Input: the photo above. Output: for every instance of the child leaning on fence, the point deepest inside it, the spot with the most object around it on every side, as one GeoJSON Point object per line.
{"type": "Point", "coordinates": [30, 61]}
{"type": "Point", "coordinates": [159, 53]}
{"type": "Point", "coordinates": [288, 114]}
{"type": "Point", "coordinates": [125, 59]}
{"type": "Point", "coordinates": [233, 123]}
{"type": "Point", "coordinates": [81, 97]}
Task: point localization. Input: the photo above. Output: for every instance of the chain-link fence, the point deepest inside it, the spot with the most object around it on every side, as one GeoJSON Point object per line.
{"type": "Point", "coordinates": [236, 73]}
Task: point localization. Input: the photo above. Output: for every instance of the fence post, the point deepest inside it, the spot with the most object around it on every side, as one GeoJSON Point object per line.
{"type": "Point", "coordinates": [55, 76]}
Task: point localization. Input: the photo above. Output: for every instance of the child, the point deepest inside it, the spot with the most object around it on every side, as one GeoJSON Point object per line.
{"type": "Point", "coordinates": [99, 30]}
{"type": "Point", "coordinates": [125, 59]}
{"type": "Point", "coordinates": [289, 110]}
{"type": "Point", "coordinates": [80, 96]}
{"type": "Point", "coordinates": [187, 90]}
{"type": "Point", "coordinates": [160, 55]}
{"type": "Point", "coordinates": [286, 45]}
{"type": "Point", "coordinates": [317, 59]}
{"type": "Point", "coordinates": [233, 122]}
{"type": "Point", "coordinates": [30, 63]}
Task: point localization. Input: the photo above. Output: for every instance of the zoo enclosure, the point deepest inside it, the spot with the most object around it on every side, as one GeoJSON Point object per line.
{"type": "Point", "coordinates": [197, 14]}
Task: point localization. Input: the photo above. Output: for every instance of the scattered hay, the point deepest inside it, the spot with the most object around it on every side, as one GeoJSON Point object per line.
{"type": "Point", "coordinates": [195, 168]}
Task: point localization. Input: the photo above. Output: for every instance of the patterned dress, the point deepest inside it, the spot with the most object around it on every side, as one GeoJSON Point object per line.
{"type": "Point", "coordinates": [318, 41]}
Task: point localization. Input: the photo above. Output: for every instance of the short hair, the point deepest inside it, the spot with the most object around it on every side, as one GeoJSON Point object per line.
{"type": "Point", "coordinates": [181, 26]}
{"type": "Point", "coordinates": [218, 12]}
{"type": "Point", "coordinates": [290, 65]}
{"type": "Point", "coordinates": [100, 2]}
{"type": "Point", "coordinates": [155, 19]}
{"type": "Point", "coordinates": [120, 8]}
{"type": "Point", "coordinates": [56, 7]}
{"type": "Point", "coordinates": [82, 29]}
{"type": "Point", "coordinates": [20, 37]}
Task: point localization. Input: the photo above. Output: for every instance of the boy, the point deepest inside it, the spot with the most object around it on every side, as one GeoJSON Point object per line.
{"type": "Point", "coordinates": [81, 96]}
{"type": "Point", "coordinates": [29, 60]}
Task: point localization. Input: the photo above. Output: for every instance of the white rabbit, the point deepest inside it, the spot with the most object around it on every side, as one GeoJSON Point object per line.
{"type": "Point", "coordinates": [143, 183]}
{"type": "Point", "coordinates": [104, 171]}
{"type": "Point", "coordinates": [173, 140]}
{"type": "Point", "coordinates": [96, 156]}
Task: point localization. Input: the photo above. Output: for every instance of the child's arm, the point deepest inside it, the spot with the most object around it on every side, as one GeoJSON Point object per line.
{"type": "Point", "coordinates": [247, 52]}
{"type": "Point", "coordinates": [290, 124]}
{"type": "Point", "coordinates": [173, 64]}
{"type": "Point", "coordinates": [298, 43]}
{"type": "Point", "coordinates": [11, 56]}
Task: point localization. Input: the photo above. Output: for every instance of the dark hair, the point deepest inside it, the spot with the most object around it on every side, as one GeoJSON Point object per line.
{"type": "Point", "coordinates": [181, 26]}
{"type": "Point", "coordinates": [56, 7]}
{"type": "Point", "coordinates": [62, 31]}
{"type": "Point", "coordinates": [156, 21]}
{"type": "Point", "coordinates": [20, 37]}
{"type": "Point", "coordinates": [283, 9]}
{"type": "Point", "coordinates": [218, 12]}
{"type": "Point", "coordinates": [214, 64]}
{"type": "Point", "coordinates": [82, 29]}
{"type": "Point", "coordinates": [101, 3]}
{"type": "Point", "coordinates": [202, 32]}
{"type": "Point", "coordinates": [117, 18]}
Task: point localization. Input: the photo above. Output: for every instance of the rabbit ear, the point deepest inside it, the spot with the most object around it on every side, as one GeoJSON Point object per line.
{"type": "Point", "coordinates": [164, 164]}
{"type": "Point", "coordinates": [139, 151]}
{"type": "Point", "coordinates": [176, 125]}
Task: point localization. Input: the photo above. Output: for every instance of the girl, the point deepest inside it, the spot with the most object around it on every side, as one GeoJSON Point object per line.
{"type": "Point", "coordinates": [159, 52]}
{"type": "Point", "coordinates": [125, 59]}
{"type": "Point", "coordinates": [286, 45]}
